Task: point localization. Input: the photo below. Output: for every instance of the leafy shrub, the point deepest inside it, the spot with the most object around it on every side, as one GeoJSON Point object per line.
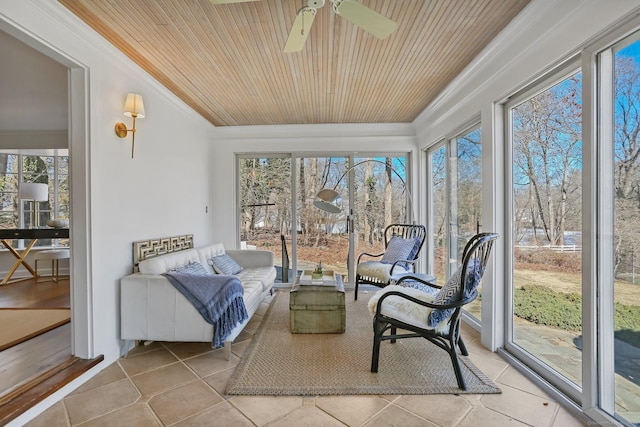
{"type": "Point", "coordinates": [544, 306]}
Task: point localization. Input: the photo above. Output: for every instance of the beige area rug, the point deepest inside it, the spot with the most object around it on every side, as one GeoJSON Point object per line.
{"type": "Point", "coordinates": [278, 363]}
{"type": "Point", "coordinates": [21, 324]}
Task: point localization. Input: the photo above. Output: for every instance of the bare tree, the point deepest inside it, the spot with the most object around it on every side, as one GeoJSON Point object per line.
{"type": "Point", "coordinates": [627, 162]}
{"type": "Point", "coordinates": [547, 149]}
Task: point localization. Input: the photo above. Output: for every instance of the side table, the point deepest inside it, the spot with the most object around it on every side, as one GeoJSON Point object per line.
{"type": "Point", "coordinates": [317, 309]}
{"type": "Point", "coordinates": [7, 235]}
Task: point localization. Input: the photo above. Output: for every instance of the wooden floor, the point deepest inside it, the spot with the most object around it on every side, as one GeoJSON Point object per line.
{"type": "Point", "coordinates": [40, 362]}
{"type": "Point", "coordinates": [29, 359]}
{"type": "Point", "coordinates": [29, 294]}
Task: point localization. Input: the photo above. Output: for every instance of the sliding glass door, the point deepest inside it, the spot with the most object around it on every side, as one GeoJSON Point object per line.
{"type": "Point", "coordinates": [619, 165]}
{"type": "Point", "coordinates": [322, 237]}
{"type": "Point", "coordinates": [372, 193]}
{"type": "Point", "coordinates": [573, 187]}
{"type": "Point", "coordinates": [545, 328]}
{"type": "Point", "coordinates": [279, 211]}
{"type": "Point", "coordinates": [265, 218]}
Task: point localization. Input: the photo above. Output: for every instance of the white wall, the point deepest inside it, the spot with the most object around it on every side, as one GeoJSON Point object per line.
{"type": "Point", "coordinates": [34, 91]}
{"type": "Point", "coordinates": [229, 141]}
{"type": "Point", "coordinates": [163, 191]}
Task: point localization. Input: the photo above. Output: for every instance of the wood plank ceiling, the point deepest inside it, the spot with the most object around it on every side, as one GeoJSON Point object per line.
{"type": "Point", "coordinates": [226, 61]}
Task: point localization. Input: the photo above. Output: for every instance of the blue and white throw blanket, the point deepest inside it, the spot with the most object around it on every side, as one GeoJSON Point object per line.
{"type": "Point", "coordinates": [218, 298]}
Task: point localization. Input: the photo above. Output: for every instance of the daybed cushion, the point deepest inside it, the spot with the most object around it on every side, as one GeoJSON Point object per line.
{"type": "Point", "coordinates": [263, 275]}
{"type": "Point", "coordinates": [162, 264]}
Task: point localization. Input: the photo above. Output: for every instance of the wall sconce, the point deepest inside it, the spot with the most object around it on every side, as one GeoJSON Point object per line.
{"type": "Point", "coordinates": [134, 108]}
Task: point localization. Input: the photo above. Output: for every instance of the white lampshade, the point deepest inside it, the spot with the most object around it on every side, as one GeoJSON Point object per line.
{"type": "Point", "coordinates": [328, 200]}
{"type": "Point", "coordinates": [134, 106]}
{"type": "Point", "coordinates": [34, 191]}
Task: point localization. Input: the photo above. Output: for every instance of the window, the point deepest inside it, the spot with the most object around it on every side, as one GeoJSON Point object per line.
{"type": "Point", "coordinates": [574, 187]}
{"type": "Point", "coordinates": [545, 322]}
{"type": "Point", "coordinates": [277, 210]}
{"type": "Point", "coordinates": [456, 202]}
{"type": "Point", "coordinates": [50, 169]}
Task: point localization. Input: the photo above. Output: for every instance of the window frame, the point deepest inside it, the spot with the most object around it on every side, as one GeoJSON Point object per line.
{"type": "Point", "coordinates": [598, 99]}
{"type": "Point", "coordinates": [450, 143]}
{"type": "Point", "coordinates": [54, 187]}
{"type": "Point", "coordinates": [544, 82]}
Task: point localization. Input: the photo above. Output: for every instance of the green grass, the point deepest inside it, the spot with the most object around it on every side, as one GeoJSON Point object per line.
{"type": "Point", "coordinates": [543, 306]}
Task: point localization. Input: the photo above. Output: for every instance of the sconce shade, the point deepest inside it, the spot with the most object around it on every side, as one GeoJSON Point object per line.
{"type": "Point", "coordinates": [33, 191]}
{"type": "Point", "coordinates": [134, 106]}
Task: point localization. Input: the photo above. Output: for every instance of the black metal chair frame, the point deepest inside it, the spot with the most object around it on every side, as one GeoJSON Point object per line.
{"type": "Point", "coordinates": [479, 247]}
{"type": "Point", "coordinates": [406, 231]}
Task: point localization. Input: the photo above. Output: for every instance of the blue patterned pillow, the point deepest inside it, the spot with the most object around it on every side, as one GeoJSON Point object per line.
{"type": "Point", "coordinates": [415, 248]}
{"type": "Point", "coordinates": [451, 289]}
{"type": "Point", "coordinates": [399, 248]}
{"type": "Point", "coordinates": [194, 268]}
{"type": "Point", "coordinates": [224, 264]}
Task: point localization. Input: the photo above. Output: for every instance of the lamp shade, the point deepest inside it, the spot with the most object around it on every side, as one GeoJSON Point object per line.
{"type": "Point", "coordinates": [134, 106]}
{"type": "Point", "coordinates": [34, 191]}
{"type": "Point", "coordinates": [328, 200]}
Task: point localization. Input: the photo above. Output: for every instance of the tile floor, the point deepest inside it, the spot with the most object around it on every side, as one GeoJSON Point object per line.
{"type": "Point", "coordinates": [183, 384]}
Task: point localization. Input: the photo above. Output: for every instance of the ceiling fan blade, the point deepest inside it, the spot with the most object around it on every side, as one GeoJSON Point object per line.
{"type": "Point", "coordinates": [230, 1]}
{"type": "Point", "coordinates": [365, 18]}
{"type": "Point", "coordinates": [300, 30]}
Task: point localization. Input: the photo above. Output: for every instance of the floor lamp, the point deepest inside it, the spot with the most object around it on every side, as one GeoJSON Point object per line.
{"type": "Point", "coordinates": [35, 192]}
{"type": "Point", "coordinates": [329, 200]}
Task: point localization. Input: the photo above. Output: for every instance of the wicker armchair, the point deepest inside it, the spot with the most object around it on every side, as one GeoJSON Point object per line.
{"type": "Point", "coordinates": [394, 308]}
{"type": "Point", "coordinates": [402, 243]}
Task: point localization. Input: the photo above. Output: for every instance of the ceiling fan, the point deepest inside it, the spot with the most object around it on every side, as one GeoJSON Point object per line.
{"type": "Point", "coordinates": [357, 13]}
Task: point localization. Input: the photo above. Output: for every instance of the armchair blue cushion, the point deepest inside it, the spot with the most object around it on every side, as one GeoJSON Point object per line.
{"type": "Point", "coordinates": [400, 248]}
{"type": "Point", "coordinates": [451, 290]}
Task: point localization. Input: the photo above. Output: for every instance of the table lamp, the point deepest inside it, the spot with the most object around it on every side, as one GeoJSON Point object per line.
{"type": "Point", "coordinates": [35, 192]}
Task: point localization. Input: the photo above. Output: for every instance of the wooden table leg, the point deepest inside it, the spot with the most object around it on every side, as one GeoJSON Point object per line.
{"type": "Point", "coordinates": [20, 259]}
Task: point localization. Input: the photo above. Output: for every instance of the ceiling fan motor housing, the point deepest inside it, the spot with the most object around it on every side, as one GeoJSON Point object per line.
{"type": "Point", "coordinates": [315, 4]}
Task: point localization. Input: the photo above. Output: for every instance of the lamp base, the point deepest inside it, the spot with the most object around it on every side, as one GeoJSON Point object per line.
{"type": "Point", "coordinates": [121, 130]}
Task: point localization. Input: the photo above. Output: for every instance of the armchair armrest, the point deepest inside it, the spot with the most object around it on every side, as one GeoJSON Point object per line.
{"type": "Point", "coordinates": [252, 258]}
{"type": "Point", "coordinates": [368, 254]}
{"type": "Point", "coordinates": [404, 261]}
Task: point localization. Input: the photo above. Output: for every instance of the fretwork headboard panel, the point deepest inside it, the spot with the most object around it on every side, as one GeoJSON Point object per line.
{"type": "Point", "coordinates": [145, 249]}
